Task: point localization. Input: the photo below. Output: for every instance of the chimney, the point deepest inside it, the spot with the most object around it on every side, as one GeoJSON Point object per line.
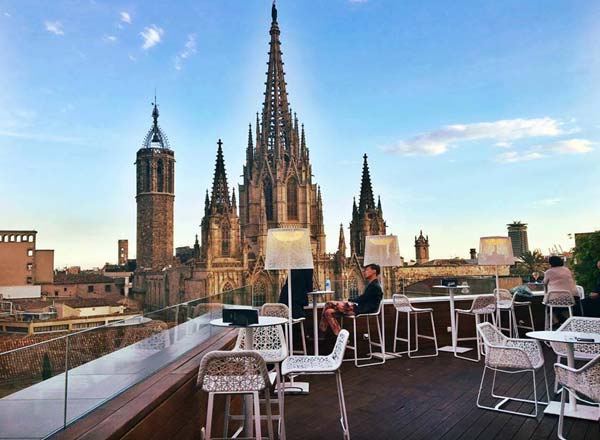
{"type": "Point", "coordinates": [473, 253]}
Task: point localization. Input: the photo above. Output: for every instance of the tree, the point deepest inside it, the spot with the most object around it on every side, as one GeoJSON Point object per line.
{"type": "Point", "coordinates": [585, 257]}
{"type": "Point", "coordinates": [531, 261]}
{"type": "Point", "coordinates": [46, 367]}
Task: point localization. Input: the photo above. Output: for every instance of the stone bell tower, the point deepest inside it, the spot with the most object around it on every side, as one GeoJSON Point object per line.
{"type": "Point", "coordinates": [155, 194]}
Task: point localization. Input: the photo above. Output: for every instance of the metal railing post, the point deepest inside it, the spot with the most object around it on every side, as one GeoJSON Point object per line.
{"type": "Point", "coordinates": [66, 379]}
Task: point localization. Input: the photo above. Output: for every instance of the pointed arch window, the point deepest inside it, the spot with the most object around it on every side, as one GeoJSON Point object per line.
{"type": "Point", "coordinates": [352, 287]}
{"type": "Point", "coordinates": [268, 190]}
{"type": "Point", "coordinates": [259, 291]}
{"type": "Point", "coordinates": [292, 199]}
{"type": "Point", "coordinates": [160, 176]}
{"type": "Point", "coordinates": [148, 182]}
{"type": "Point", "coordinates": [225, 240]}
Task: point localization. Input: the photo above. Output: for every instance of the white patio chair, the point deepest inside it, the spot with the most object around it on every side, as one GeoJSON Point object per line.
{"type": "Point", "coordinates": [270, 343]}
{"type": "Point", "coordinates": [510, 355]}
{"type": "Point", "coordinates": [581, 293]}
{"type": "Point", "coordinates": [582, 352]}
{"type": "Point", "coordinates": [300, 365]}
{"type": "Point", "coordinates": [507, 303]}
{"type": "Point", "coordinates": [282, 311]}
{"type": "Point", "coordinates": [403, 305]}
{"type": "Point", "coordinates": [235, 372]}
{"type": "Point", "coordinates": [483, 306]}
{"type": "Point", "coordinates": [381, 348]}
{"type": "Point", "coordinates": [556, 299]}
{"type": "Point", "coordinates": [584, 381]}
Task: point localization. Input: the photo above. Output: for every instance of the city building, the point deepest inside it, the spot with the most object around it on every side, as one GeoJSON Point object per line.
{"type": "Point", "coordinates": [517, 232]}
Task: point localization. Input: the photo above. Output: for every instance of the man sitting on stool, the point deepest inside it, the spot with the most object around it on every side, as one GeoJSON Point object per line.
{"type": "Point", "coordinates": [368, 302]}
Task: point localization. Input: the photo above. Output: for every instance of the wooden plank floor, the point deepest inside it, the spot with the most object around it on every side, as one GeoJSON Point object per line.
{"type": "Point", "coordinates": [429, 398]}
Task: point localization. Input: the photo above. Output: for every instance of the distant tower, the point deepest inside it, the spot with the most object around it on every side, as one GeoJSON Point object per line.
{"type": "Point", "coordinates": [517, 232]}
{"type": "Point", "coordinates": [422, 248]}
{"type": "Point", "coordinates": [367, 219]}
{"type": "Point", "coordinates": [155, 171]}
{"type": "Point", "coordinates": [473, 254]}
{"type": "Point", "coordinates": [123, 252]}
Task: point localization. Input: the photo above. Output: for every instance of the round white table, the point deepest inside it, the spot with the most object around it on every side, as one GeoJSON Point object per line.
{"type": "Point", "coordinates": [454, 348]}
{"type": "Point", "coordinates": [263, 321]}
{"type": "Point", "coordinates": [570, 339]}
{"type": "Point", "coordinates": [314, 296]}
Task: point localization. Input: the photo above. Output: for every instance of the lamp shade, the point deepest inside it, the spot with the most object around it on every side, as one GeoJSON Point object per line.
{"type": "Point", "coordinates": [288, 248]}
{"type": "Point", "coordinates": [495, 251]}
{"type": "Point", "coordinates": [382, 250]}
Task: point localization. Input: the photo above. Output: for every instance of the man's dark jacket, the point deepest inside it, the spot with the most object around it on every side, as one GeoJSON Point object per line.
{"type": "Point", "coordinates": [369, 301]}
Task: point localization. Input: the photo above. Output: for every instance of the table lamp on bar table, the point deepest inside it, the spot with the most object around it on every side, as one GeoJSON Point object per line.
{"type": "Point", "coordinates": [384, 251]}
{"type": "Point", "coordinates": [289, 248]}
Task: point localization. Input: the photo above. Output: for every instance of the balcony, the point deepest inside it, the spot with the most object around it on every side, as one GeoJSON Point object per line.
{"type": "Point", "coordinates": [131, 395]}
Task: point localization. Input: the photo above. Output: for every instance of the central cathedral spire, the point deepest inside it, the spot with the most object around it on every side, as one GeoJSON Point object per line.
{"type": "Point", "coordinates": [276, 118]}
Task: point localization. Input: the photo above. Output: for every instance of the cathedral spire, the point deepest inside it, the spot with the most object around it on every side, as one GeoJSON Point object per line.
{"type": "Point", "coordinates": [276, 119]}
{"type": "Point", "coordinates": [249, 150]}
{"type": "Point", "coordinates": [342, 242]}
{"type": "Point", "coordinates": [220, 192]}
{"type": "Point", "coordinates": [233, 201]}
{"type": "Point", "coordinates": [206, 204]}
{"type": "Point", "coordinates": [366, 200]}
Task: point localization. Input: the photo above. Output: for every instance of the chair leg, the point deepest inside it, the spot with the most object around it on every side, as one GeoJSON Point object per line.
{"type": "Point", "coordinates": [343, 414]}
{"type": "Point", "coordinates": [209, 411]}
{"type": "Point", "coordinates": [479, 347]}
{"type": "Point", "coordinates": [396, 331]}
{"type": "Point", "coordinates": [456, 320]}
{"type": "Point", "coordinates": [256, 400]}
{"type": "Point", "coordinates": [280, 402]}
{"type": "Point", "coordinates": [269, 415]}
{"type": "Point", "coordinates": [227, 415]}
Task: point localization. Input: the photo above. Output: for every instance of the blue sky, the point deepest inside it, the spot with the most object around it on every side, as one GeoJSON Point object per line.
{"type": "Point", "coordinates": [473, 113]}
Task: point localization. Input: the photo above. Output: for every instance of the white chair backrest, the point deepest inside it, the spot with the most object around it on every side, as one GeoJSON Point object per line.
{"type": "Point", "coordinates": [337, 355]}
{"type": "Point", "coordinates": [268, 340]}
{"type": "Point", "coordinates": [277, 310]}
{"type": "Point", "coordinates": [586, 380]}
{"type": "Point", "coordinates": [232, 371]}
{"type": "Point", "coordinates": [401, 302]}
{"type": "Point", "coordinates": [559, 298]}
{"type": "Point", "coordinates": [485, 303]}
{"type": "Point", "coordinates": [491, 335]}
{"type": "Point", "coordinates": [503, 295]}
{"type": "Point", "coordinates": [581, 292]}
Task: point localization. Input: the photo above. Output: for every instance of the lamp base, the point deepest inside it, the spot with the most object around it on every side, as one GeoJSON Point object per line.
{"type": "Point", "coordinates": [386, 355]}
{"type": "Point", "coordinates": [295, 387]}
{"type": "Point", "coordinates": [450, 349]}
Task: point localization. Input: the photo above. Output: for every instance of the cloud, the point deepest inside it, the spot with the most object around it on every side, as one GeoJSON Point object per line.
{"type": "Point", "coordinates": [514, 156]}
{"type": "Point", "coordinates": [152, 35]}
{"type": "Point", "coordinates": [132, 58]}
{"type": "Point", "coordinates": [501, 132]}
{"type": "Point", "coordinates": [547, 202]}
{"type": "Point", "coordinates": [54, 27]}
{"type": "Point", "coordinates": [571, 146]}
{"type": "Point", "coordinates": [125, 17]}
{"type": "Point", "coordinates": [42, 137]}
{"type": "Point", "coordinates": [7, 14]}
{"type": "Point", "coordinates": [110, 38]}
{"type": "Point", "coordinates": [188, 50]}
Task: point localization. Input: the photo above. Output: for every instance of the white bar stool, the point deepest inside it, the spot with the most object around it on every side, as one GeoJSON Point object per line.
{"type": "Point", "coordinates": [403, 305]}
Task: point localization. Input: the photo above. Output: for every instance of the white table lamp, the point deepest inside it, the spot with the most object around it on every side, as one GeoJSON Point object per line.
{"type": "Point", "coordinates": [289, 248]}
{"type": "Point", "coordinates": [384, 251]}
{"type": "Point", "coordinates": [495, 251]}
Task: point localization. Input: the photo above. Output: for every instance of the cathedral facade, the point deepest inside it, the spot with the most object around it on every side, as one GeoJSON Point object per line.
{"type": "Point", "coordinates": [277, 191]}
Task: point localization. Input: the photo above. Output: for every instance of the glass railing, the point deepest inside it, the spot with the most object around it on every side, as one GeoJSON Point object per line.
{"type": "Point", "coordinates": [65, 377]}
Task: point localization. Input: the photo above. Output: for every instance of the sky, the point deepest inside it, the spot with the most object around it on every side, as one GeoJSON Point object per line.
{"type": "Point", "coordinates": [473, 113]}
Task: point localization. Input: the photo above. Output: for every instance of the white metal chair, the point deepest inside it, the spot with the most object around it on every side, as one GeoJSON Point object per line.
{"type": "Point", "coordinates": [507, 303]}
{"type": "Point", "coordinates": [582, 352]}
{"type": "Point", "coordinates": [510, 355]}
{"type": "Point", "coordinates": [235, 372]}
{"type": "Point", "coordinates": [403, 305]}
{"type": "Point", "coordinates": [270, 343]}
{"type": "Point", "coordinates": [584, 381]}
{"type": "Point", "coordinates": [556, 299]}
{"type": "Point", "coordinates": [377, 314]}
{"type": "Point", "coordinates": [300, 365]}
{"type": "Point", "coordinates": [282, 311]}
{"type": "Point", "coordinates": [483, 307]}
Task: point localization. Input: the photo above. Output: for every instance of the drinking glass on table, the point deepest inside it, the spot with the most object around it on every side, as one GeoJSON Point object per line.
{"type": "Point", "coordinates": [535, 276]}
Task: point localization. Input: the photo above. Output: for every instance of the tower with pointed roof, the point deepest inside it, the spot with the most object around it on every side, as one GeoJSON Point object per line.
{"type": "Point", "coordinates": [422, 248]}
{"type": "Point", "coordinates": [220, 226]}
{"type": "Point", "coordinates": [277, 189]}
{"type": "Point", "coordinates": [367, 219]}
{"type": "Point", "coordinates": [155, 194]}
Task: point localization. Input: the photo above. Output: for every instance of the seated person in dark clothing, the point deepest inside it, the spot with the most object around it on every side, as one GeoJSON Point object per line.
{"type": "Point", "coordinates": [591, 304]}
{"type": "Point", "coordinates": [302, 283]}
{"type": "Point", "coordinates": [368, 302]}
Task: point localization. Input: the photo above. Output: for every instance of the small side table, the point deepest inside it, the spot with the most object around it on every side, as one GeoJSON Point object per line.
{"type": "Point", "coordinates": [314, 296]}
